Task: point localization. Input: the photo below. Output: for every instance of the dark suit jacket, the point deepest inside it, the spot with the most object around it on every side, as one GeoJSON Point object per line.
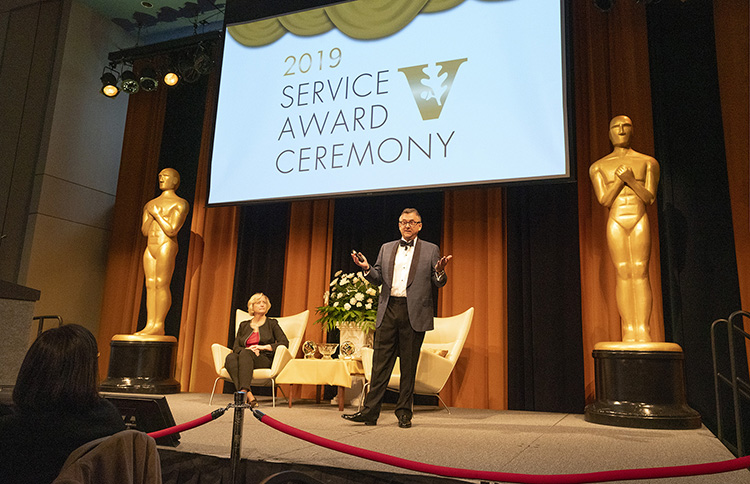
{"type": "Point", "coordinates": [270, 334]}
{"type": "Point", "coordinates": [422, 277]}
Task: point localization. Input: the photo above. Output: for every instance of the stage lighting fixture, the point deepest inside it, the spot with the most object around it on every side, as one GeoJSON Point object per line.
{"type": "Point", "coordinates": [148, 81]}
{"type": "Point", "coordinates": [171, 62]}
{"type": "Point", "coordinates": [109, 85]}
{"type": "Point", "coordinates": [129, 82]}
{"type": "Point", "coordinates": [202, 62]}
{"type": "Point", "coordinates": [171, 78]}
{"type": "Point", "coordinates": [186, 66]}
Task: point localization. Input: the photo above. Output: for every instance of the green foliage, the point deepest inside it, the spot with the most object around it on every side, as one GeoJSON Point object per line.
{"type": "Point", "coordinates": [350, 299]}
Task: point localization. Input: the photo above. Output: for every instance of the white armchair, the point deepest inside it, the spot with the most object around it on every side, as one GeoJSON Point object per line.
{"type": "Point", "coordinates": [294, 329]}
{"type": "Point", "coordinates": [440, 351]}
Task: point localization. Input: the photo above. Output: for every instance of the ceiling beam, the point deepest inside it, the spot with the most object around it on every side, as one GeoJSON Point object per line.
{"type": "Point", "coordinates": [142, 52]}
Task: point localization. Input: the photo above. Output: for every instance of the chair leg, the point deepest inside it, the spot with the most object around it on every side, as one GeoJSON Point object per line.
{"type": "Point", "coordinates": [362, 396]}
{"type": "Point", "coordinates": [282, 392]}
{"type": "Point", "coordinates": [213, 390]}
{"type": "Point", "coordinates": [441, 401]}
{"type": "Point", "coordinates": [273, 392]}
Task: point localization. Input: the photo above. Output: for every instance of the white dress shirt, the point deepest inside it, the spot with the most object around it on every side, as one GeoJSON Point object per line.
{"type": "Point", "coordinates": [401, 266]}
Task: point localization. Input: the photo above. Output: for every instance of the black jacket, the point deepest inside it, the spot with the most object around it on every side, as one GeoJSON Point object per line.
{"type": "Point", "coordinates": [270, 334]}
{"type": "Point", "coordinates": [34, 446]}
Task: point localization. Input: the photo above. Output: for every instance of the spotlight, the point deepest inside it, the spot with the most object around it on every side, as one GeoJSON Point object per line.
{"type": "Point", "coordinates": [129, 83]}
{"type": "Point", "coordinates": [149, 82]}
{"type": "Point", "coordinates": [109, 85]}
{"type": "Point", "coordinates": [171, 78]}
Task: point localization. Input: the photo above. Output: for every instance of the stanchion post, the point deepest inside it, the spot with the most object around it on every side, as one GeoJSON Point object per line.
{"type": "Point", "coordinates": [239, 417]}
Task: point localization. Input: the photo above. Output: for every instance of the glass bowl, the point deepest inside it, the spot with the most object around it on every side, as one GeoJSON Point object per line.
{"type": "Point", "coordinates": [327, 350]}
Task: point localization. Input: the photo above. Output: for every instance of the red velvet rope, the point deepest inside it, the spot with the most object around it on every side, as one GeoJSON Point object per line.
{"type": "Point", "coordinates": [604, 476]}
{"type": "Point", "coordinates": [187, 425]}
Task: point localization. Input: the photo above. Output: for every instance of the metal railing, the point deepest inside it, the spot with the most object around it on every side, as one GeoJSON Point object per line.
{"type": "Point", "coordinates": [42, 319]}
{"type": "Point", "coordinates": [740, 388]}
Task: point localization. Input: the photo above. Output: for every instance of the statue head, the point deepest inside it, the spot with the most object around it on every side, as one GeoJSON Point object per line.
{"type": "Point", "coordinates": [169, 179]}
{"type": "Point", "coordinates": [620, 131]}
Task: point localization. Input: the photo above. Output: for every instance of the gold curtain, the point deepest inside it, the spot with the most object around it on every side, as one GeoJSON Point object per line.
{"type": "Point", "coordinates": [474, 233]}
{"type": "Point", "coordinates": [374, 19]}
{"type": "Point", "coordinates": [731, 27]}
{"type": "Point", "coordinates": [611, 77]}
{"type": "Point", "coordinates": [207, 304]}
{"type": "Point", "coordinates": [307, 266]}
{"type": "Point", "coordinates": [136, 185]}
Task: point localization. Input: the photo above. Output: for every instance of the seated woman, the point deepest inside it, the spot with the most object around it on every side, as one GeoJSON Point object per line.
{"type": "Point", "coordinates": [57, 407]}
{"type": "Point", "coordinates": [254, 345]}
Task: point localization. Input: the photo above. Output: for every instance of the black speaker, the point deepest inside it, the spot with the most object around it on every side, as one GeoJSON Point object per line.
{"type": "Point", "coordinates": [147, 413]}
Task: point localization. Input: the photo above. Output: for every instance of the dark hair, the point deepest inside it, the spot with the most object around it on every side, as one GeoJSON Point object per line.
{"type": "Point", "coordinates": [411, 210]}
{"type": "Point", "coordinates": [59, 372]}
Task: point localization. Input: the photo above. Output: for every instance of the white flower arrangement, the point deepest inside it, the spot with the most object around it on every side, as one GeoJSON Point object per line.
{"type": "Point", "coordinates": [350, 299]}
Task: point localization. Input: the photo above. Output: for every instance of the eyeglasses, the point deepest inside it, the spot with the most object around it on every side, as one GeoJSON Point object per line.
{"type": "Point", "coordinates": [410, 223]}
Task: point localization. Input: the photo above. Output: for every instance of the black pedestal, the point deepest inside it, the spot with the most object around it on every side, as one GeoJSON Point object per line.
{"type": "Point", "coordinates": [641, 388]}
{"type": "Point", "coordinates": [142, 366]}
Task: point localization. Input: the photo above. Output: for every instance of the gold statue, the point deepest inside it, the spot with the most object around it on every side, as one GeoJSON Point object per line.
{"type": "Point", "coordinates": [163, 218]}
{"type": "Point", "coordinates": [625, 181]}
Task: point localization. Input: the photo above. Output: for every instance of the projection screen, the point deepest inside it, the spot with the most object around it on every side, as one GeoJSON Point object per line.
{"type": "Point", "coordinates": [376, 96]}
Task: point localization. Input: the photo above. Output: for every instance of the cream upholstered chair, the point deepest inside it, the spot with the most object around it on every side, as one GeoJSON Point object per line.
{"type": "Point", "coordinates": [440, 351]}
{"type": "Point", "coordinates": [294, 329]}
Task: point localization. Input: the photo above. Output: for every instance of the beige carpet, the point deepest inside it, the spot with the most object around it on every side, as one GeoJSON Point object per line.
{"type": "Point", "coordinates": [501, 441]}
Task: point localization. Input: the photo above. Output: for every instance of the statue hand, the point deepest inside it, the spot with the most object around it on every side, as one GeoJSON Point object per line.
{"type": "Point", "coordinates": [625, 173]}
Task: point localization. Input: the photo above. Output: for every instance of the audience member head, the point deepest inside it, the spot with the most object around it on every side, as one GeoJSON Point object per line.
{"type": "Point", "coordinates": [59, 372]}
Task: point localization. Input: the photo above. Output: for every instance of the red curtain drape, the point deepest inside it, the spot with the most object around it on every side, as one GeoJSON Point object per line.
{"type": "Point", "coordinates": [474, 233]}
{"type": "Point", "coordinates": [307, 265]}
{"type": "Point", "coordinates": [206, 307]}
{"type": "Point", "coordinates": [308, 260]}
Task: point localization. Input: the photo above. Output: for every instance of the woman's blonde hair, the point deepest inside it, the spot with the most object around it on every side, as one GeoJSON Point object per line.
{"type": "Point", "coordinates": [256, 298]}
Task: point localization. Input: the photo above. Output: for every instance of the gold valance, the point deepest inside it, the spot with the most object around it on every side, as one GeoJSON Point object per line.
{"type": "Point", "coordinates": [362, 20]}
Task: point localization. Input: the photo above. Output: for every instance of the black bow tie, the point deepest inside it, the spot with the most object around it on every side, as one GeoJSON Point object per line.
{"type": "Point", "coordinates": [404, 243]}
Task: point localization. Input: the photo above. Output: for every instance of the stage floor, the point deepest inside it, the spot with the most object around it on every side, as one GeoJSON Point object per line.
{"type": "Point", "coordinates": [501, 441]}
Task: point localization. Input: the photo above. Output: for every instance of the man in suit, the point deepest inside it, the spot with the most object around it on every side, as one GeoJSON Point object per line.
{"type": "Point", "coordinates": [407, 269]}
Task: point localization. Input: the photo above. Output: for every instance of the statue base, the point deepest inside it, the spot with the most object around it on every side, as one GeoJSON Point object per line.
{"type": "Point", "coordinates": [640, 385]}
{"type": "Point", "coordinates": [142, 364]}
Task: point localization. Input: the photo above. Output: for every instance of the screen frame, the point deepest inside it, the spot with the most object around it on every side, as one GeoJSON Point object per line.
{"type": "Point", "coordinates": [246, 12]}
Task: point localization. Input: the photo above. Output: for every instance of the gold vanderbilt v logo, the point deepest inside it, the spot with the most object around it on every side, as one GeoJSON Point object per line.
{"type": "Point", "coordinates": [430, 85]}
